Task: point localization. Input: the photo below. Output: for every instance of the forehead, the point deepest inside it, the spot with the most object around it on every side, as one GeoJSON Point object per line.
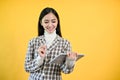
{"type": "Point", "coordinates": [50, 16]}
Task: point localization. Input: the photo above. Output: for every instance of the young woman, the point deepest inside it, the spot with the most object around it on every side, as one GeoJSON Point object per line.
{"type": "Point", "coordinates": [45, 47]}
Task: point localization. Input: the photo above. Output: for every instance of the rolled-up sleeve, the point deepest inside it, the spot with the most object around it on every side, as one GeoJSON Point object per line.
{"type": "Point", "coordinates": [32, 64]}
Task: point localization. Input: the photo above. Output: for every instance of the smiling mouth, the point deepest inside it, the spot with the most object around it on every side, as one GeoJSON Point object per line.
{"type": "Point", "coordinates": [49, 28]}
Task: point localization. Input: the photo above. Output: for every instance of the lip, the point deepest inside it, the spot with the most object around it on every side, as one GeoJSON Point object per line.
{"type": "Point", "coordinates": [50, 29]}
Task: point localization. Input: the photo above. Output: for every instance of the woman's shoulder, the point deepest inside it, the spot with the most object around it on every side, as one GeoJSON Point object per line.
{"type": "Point", "coordinates": [64, 40]}
{"type": "Point", "coordinates": [35, 39]}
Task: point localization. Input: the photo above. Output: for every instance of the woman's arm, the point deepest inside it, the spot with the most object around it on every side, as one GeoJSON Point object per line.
{"type": "Point", "coordinates": [31, 64]}
{"type": "Point", "coordinates": [68, 65]}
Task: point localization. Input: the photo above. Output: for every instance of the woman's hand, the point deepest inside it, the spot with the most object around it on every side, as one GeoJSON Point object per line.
{"type": "Point", "coordinates": [42, 50]}
{"type": "Point", "coordinates": [72, 55]}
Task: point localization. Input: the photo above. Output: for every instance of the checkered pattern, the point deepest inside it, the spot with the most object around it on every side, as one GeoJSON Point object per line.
{"type": "Point", "coordinates": [46, 71]}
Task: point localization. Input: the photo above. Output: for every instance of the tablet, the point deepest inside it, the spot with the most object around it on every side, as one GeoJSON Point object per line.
{"type": "Point", "coordinates": [60, 58]}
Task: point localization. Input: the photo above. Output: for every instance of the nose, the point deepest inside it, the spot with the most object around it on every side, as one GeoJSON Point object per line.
{"type": "Point", "coordinates": [50, 24]}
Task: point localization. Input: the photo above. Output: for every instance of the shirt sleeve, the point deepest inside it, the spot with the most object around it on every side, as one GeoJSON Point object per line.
{"type": "Point", "coordinates": [32, 64]}
{"type": "Point", "coordinates": [70, 62]}
{"type": "Point", "coordinates": [68, 66]}
{"type": "Point", "coordinates": [39, 60]}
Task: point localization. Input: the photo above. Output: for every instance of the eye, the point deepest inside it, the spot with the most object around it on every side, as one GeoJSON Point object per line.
{"type": "Point", "coordinates": [53, 21]}
{"type": "Point", "coordinates": [46, 21]}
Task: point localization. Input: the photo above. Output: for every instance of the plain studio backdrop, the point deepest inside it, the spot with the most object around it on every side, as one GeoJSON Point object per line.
{"type": "Point", "coordinates": [92, 27]}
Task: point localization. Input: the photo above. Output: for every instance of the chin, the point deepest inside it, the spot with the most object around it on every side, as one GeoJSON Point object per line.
{"type": "Point", "coordinates": [51, 31]}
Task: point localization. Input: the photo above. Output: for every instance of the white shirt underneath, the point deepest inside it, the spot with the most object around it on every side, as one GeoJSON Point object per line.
{"type": "Point", "coordinates": [49, 38]}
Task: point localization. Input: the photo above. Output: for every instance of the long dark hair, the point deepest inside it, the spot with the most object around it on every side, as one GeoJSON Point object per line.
{"type": "Point", "coordinates": [43, 13]}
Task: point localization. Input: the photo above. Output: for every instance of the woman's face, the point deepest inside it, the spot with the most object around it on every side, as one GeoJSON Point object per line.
{"type": "Point", "coordinates": [49, 22]}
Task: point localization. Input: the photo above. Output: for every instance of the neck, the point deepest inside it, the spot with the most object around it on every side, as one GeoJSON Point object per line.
{"type": "Point", "coordinates": [46, 33]}
{"type": "Point", "coordinates": [49, 37]}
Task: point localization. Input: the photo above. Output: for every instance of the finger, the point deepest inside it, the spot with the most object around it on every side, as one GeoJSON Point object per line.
{"type": "Point", "coordinates": [41, 50]}
{"type": "Point", "coordinates": [68, 54]}
{"type": "Point", "coordinates": [74, 53]}
{"type": "Point", "coordinates": [44, 47]}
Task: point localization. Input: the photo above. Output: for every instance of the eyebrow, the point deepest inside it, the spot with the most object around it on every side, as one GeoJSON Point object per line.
{"type": "Point", "coordinates": [48, 20]}
{"type": "Point", "coordinates": [53, 19]}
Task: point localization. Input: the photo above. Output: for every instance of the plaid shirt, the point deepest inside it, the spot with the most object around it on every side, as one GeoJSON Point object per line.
{"type": "Point", "coordinates": [46, 71]}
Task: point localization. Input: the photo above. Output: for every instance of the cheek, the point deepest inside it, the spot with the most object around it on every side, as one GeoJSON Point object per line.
{"type": "Point", "coordinates": [55, 24]}
{"type": "Point", "coordinates": [44, 25]}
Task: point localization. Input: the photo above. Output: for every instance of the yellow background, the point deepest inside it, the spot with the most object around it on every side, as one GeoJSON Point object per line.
{"type": "Point", "coordinates": [92, 27]}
